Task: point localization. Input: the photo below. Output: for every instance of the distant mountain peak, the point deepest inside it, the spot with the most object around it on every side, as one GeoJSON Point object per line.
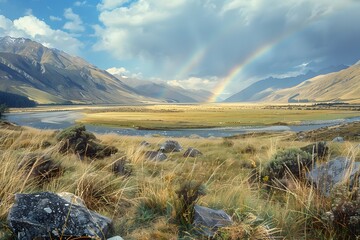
{"type": "Point", "coordinates": [260, 90]}
{"type": "Point", "coordinates": [48, 75]}
{"type": "Point", "coordinates": [12, 40]}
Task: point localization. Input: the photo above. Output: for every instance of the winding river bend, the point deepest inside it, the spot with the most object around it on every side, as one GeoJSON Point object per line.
{"type": "Point", "coordinates": [63, 119]}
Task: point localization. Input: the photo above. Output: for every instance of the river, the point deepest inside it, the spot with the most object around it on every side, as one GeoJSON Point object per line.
{"type": "Point", "coordinates": [63, 119]}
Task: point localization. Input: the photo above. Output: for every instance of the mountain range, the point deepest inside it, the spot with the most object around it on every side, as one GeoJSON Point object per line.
{"type": "Point", "coordinates": [342, 86]}
{"type": "Point", "coordinates": [261, 90]}
{"type": "Point", "coordinates": [51, 76]}
{"type": "Point", "coordinates": [165, 92]}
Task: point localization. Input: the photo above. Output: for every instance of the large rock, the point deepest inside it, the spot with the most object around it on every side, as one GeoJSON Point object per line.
{"type": "Point", "coordinates": [170, 146]}
{"type": "Point", "coordinates": [48, 216]}
{"type": "Point", "coordinates": [72, 198]}
{"type": "Point", "coordinates": [155, 155]}
{"type": "Point", "coordinates": [77, 140]}
{"type": "Point", "coordinates": [326, 176]}
{"type": "Point", "coordinates": [207, 221]}
{"type": "Point", "coordinates": [192, 152]}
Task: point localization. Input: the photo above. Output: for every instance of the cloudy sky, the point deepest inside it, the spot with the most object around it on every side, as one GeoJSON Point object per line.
{"type": "Point", "coordinates": [218, 45]}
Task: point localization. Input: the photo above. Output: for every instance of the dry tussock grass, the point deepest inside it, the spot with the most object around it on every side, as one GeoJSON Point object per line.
{"type": "Point", "coordinates": [145, 205]}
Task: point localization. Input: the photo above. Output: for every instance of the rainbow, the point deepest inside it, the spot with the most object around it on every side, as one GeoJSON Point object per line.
{"type": "Point", "coordinates": [195, 58]}
{"type": "Point", "coordinates": [192, 62]}
{"type": "Point", "coordinates": [198, 56]}
{"type": "Point", "coordinates": [262, 50]}
{"type": "Point", "coordinates": [234, 72]}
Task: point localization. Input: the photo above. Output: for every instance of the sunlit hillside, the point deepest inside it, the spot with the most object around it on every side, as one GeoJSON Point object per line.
{"type": "Point", "coordinates": [339, 86]}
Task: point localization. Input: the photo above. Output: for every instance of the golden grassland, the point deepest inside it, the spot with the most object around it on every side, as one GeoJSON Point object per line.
{"type": "Point", "coordinates": [208, 115]}
{"type": "Point", "coordinates": [144, 205]}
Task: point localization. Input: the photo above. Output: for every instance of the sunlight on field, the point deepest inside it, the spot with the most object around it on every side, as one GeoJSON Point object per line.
{"type": "Point", "coordinates": [210, 115]}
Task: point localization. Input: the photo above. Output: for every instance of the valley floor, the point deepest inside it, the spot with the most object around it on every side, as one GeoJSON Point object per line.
{"type": "Point", "coordinates": [144, 203]}
{"type": "Point", "coordinates": [212, 115]}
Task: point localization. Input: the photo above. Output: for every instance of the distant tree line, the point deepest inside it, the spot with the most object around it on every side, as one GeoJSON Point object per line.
{"type": "Point", "coordinates": [15, 100]}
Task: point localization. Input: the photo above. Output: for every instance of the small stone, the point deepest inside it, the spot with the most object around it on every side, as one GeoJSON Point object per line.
{"type": "Point", "coordinates": [115, 238]}
{"type": "Point", "coordinates": [170, 146]}
{"type": "Point", "coordinates": [192, 152]}
{"type": "Point", "coordinates": [48, 210]}
{"type": "Point", "coordinates": [207, 221]}
{"type": "Point", "coordinates": [338, 139]}
{"type": "Point", "coordinates": [145, 144]}
{"type": "Point", "coordinates": [155, 156]}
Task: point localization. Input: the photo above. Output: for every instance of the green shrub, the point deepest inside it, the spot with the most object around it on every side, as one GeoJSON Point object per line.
{"type": "Point", "coordinates": [290, 160]}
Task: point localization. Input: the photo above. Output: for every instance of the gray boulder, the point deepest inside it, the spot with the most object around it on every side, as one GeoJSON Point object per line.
{"type": "Point", "coordinates": [145, 144]}
{"type": "Point", "coordinates": [338, 139]}
{"type": "Point", "coordinates": [326, 176]}
{"type": "Point", "coordinates": [192, 152]}
{"type": "Point", "coordinates": [155, 156]}
{"type": "Point", "coordinates": [207, 221]}
{"type": "Point", "coordinates": [72, 198]}
{"type": "Point", "coordinates": [46, 215]}
{"type": "Point", "coordinates": [170, 146]}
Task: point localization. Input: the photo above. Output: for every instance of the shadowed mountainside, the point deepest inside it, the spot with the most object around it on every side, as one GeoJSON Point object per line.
{"type": "Point", "coordinates": [51, 76]}
{"type": "Point", "coordinates": [165, 92]}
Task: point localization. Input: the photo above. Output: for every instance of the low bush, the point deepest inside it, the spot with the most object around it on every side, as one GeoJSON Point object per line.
{"type": "Point", "coordinates": [291, 160]}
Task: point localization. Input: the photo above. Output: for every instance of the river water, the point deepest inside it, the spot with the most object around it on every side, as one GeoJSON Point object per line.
{"type": "Point", "coordinates": [63, 119]}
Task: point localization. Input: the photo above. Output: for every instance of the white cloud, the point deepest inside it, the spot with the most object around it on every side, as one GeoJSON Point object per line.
{"type": "Point", "coordinates": [178, 39]}
{"type": "Point", "coordinates": [124, 73]}
{"type": "Point", "coordinates": [37, 30]}
{"type": "Point", "coordinates": [195, 83]}
{"type": "Point", "coordinates": [110, 4]}
{"type": "Point", "coordinates": [5, 23]}
{"type": "Point", "coordinates": [32, 26]}
{"type": "Point", "coordinates": [119, 71]}
{"type": "Point", "coordinates": [54, 18]}
{"type": "Point", "coordinates": [75, 23]}
{"type": "Point", "coordinates": [80, 3]}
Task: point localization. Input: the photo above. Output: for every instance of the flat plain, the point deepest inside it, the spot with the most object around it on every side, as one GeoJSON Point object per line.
{"type": "Point", "coordinates": [211, 115]}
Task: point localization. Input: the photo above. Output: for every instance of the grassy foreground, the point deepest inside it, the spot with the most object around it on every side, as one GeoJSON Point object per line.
{"type": "Point", "coordinates": [208, 115]}
{"type": "Point", "coordinates": [144, 205]}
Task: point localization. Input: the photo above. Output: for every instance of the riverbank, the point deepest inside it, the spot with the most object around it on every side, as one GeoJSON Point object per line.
{"type": "Point", "coordinates": [61, 119]}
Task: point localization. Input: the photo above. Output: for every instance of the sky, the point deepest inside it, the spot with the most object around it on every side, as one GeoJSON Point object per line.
{"type": "Point", "coordinates": [217, 45]}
